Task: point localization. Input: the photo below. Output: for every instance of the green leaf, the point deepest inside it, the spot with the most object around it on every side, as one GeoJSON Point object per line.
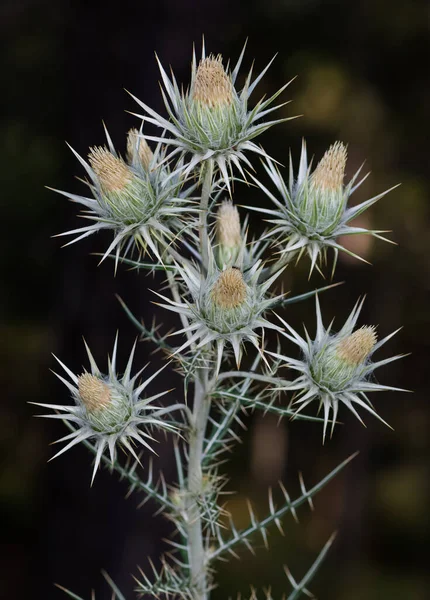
{"type": "Point", "coordinates": [300, 587]}
{"type": "Point", "coordinates": [147, 334]}
{"type": "Point", "coordinates": [300, 297]}
{"type": "Point", "coordinates": [155, 490]}
{"type": "Point", "coordinates": [140, 265]}
{"type": "Point", "coordinates": [267, 407]}
{"type": "Point", "coordinates": [274, 516]}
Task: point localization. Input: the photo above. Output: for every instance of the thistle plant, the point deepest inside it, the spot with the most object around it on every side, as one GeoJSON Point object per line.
{"type": "Point", "coordinates": [171, 208]}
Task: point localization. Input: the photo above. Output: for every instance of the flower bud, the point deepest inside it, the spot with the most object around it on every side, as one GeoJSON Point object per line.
{"type": "Point", "coordinates": [322, 202]}
{"type": "Point", "coordinates": [110, 410]}
{"type": "Point", "coordinates": [108, 407]}
{"type": "Point", "coordinates": [336, 369]}
{"type": "Point", "coordinates": [342, 360]}
{"type": "Point", "coordinates": [355, 348]}
{"type": "Point", "coordinates": [229, 291]}
{"type": "Point", "coordinates": [94, 393]}
{"type": "Point", "coordinates": [330, 171]}
{"type": "Point", "coordinates": [226, 306]}
{"type": "Point", "coordinates": [228, 234]}
{"type": "Point", "coordinates": [312, 214]}
{"type": "Point", "coordinates": [138, 151]}
{"type": "Point", "coordinates": [126, 197]}
{"type": "Point", "coordinates": [212, 86]}
{"type": "Point", "coordinates": [113, 174]}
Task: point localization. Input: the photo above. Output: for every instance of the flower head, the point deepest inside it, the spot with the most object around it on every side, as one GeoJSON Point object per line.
{"type": "Point", "coordinates": [335, 368]}
{"type": "Point", "coordinates": [140, 200]}
{"type": "Point", "coordinates": [211, 120]}
{"type": "Point", "coordinates": [139, 153]}
{"type": "Point", "coordinates": [312, 210]}
{"type": "Point", "coordinates": [225, 305]}
{"type": "Point", "coordinates": [113, 174]}
{"type": "Point", "coordinates": [110, 409]}
{"type": "Point", "coordinates": [228, 234]}
{"type": "Point", "coordinates": [212, 86]}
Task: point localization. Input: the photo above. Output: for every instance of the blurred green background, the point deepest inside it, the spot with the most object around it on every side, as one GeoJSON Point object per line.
{"type": "Point", "coordinates": [362, 70]}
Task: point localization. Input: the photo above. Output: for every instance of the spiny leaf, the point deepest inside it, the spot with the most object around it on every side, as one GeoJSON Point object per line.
{"type": "Point", "coordinates": [267, 407]}
{"type": "Point", "coordinates": [261, 526]}
{"type": "Point", "coordinates": [300, 297]}
{"type": "Point", "coordinates": [300, 587]}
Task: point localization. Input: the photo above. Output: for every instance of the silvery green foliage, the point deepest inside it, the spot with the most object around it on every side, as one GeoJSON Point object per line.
{"type": "Point", "coordinates": [223, 285]}
{"type": "Point", "coordinates": [310, 215]}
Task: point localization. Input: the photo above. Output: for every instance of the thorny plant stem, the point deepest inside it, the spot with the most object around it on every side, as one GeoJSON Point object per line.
{"type": "Point", "coordinates": [201, 408]}
{"type": "Point", "coordinates": [204, 203]}
{"type": "Point", "coordinates": [196, 552]}
{"type": "Point", "coordinates": [176, 296]}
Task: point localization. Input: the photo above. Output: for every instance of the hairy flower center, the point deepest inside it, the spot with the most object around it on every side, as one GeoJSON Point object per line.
{"type": "Point", "coordinates": [355, 348]}
{"type": "Point", "coordinates": [95, 394]}
{"type": "Point", "coordinates": [137, 145]}
{"type": "Point", "coordinates": [330, 171]}
{"type": "Point", "coordinates": [112, 172]}
{"type": "Point", "coordinates": [228, 225]}
{"type": "Point", "coordinates": [212, 85]}
{"type": "Point", "coordinates": [230, 289]}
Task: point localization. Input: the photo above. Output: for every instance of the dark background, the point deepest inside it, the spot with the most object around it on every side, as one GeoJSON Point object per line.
{"type": "Point", "coordinates": [362, 78]}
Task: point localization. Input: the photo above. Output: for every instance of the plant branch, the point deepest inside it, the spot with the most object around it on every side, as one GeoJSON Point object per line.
{"type": "Point", "coordinates": [250, 375]}
{"type": "Point", "coordinates": [274, 516]}
{"type": "Point", "coordinates": [196, 550]}
{"type": "Point", "coordinates": [204, 207]}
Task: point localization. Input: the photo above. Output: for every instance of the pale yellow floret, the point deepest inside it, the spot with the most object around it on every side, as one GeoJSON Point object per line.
{"type": "Point", "coordinates": [355, 348]}
{"type": "Point", "coordinates": [330, 171]}
{"type": "Point", "coordinates": [230, 289]}
{"type": "Point", "coordinates": [95, 394]}
{"type": "Point", "coordinates": [228, 225]}
{"type": "Point", "coordinates": [113, 173]}
{"type": "Point", "coordinates": [212, 85]}
{"type": "Point", "coordinates": [144, 151]}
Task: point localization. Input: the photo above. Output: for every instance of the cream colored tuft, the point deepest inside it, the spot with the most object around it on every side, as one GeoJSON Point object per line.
{"type": "Point", "coordinates": [230, 289]}
{"type": "Point", "coordinates": [95, 394]}
{"type": "Point", "coordinates": [212, 85]}
{"type": "Point", "coordinates": [112, 172]}
{"type": "Point", "coordinates": [228, 225]}
{"type": "Point", "coordinates": [355, 348]}
{"type": "Point", "coordinates": [330, 171]}
{"type": "Point", "coordinates": [134, 141]}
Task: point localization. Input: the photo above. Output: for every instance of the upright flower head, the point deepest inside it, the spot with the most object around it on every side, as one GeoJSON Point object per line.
{"type": "Point", "coordinates": [212, 86]}
{"type": "Point", "coordinates": [312, 212]}
{"type": "Point", "coordinates": [335, 368]}
{"type": "Point", "coordinates": [228, 234]}
{"type": "Point", "coordinates": [139, 154]}
{"type": "Point", "coordinates": [140, 200]}
{"type": "Point", "coordinates": [211, 120]}
{"type": "Point", "coordinates": [110, 410]}
{"type": "Point", "coordinates": [225, 305]}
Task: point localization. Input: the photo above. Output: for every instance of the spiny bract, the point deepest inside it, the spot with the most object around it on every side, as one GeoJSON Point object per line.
{"type": "Point", "coordinates": [312, 210]}
{"type": "Point", "coordinates": [335, 368]}
{"type": "Point", "coordinates": [109, 409]}
{"type": "Point", "coordinates": [225, 306]}
{"type": "Point", "coordinates": [211, 120]}
{"type": "Point", "coordinates": [140, 200]}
